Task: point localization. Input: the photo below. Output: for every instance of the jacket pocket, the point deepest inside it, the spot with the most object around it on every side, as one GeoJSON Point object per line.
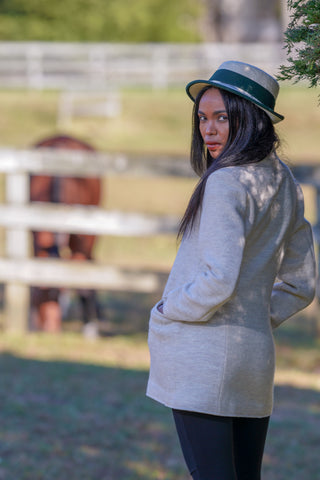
{"type": "Point", "coordinates": [160, 325]}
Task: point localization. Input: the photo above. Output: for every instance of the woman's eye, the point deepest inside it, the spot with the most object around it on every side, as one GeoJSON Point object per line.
{"type": "Point", "coordinates": [202, 118]}
{"type": "Point", "coordinates": [223, 118]}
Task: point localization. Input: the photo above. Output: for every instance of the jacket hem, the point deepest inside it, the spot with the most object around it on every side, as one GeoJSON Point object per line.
{"type": "Point", "coordinates": [209, 411]}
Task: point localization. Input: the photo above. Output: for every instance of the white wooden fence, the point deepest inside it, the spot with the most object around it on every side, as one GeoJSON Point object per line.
{"type": "Point", "coordinates": [103, 66]}
{"type": "Point", "coordinates": [18, 216]}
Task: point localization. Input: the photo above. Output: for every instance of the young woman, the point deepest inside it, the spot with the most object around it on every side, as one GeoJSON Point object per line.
{"type": "Point", "coordinates": [245, 264]}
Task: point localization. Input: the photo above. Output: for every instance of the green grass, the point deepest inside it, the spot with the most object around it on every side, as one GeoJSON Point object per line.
{"type": "Point", "coordinates": [75, 409]}
{"type": "Point", "coordinates": [150, 122]}
{"type": "Point", "coordinates": [299, 130]}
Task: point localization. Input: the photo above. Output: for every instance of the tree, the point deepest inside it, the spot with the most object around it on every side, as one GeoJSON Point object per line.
{"type": "Point", "coordinates": [100, 20]}
{"type": "Point", "coordinates": [302, 41]}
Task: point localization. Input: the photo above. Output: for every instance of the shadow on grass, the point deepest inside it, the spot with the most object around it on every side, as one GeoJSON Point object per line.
{"type": "Point", "coordinates": [292, 450]}
{"type": "Point", "coordinates": [75, 421]}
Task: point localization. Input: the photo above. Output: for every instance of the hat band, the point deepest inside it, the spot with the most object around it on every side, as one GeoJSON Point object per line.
{"type": "Point", "coordinates": [238, 81]}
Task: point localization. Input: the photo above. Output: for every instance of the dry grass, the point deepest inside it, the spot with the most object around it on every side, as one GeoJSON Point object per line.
{"type": "Point", "coordinates": [151, 121]}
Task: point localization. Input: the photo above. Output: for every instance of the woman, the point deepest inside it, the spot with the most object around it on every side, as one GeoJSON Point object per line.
{"type": "Point", "coordinates": [245, 264]}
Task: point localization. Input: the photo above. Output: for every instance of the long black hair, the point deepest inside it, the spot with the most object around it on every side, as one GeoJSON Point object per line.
{"type": "Point", "coordinates": [251, 139]}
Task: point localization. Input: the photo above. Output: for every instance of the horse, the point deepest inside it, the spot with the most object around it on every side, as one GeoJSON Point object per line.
{"type": "Point", "coordinates": [46, 311]}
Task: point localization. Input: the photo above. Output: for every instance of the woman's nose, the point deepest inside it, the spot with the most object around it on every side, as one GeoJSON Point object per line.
{"type": "Point", "coordinates": [211, 128]}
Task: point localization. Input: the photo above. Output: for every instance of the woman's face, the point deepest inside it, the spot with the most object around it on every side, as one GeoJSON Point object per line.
{"type": "Point", "coordinates": [213, 121]}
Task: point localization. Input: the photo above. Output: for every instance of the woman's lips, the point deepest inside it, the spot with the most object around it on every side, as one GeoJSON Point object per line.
{"type": "Point", "coordinates": [212, 146]}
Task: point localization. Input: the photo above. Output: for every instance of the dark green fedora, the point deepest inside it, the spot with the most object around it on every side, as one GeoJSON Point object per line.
{"type": "Point", "coordinates": [245, 80]}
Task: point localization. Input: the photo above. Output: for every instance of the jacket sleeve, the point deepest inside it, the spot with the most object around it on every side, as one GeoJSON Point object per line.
{"type": "Point", "coordinates": [221, 242]}
{"type": "Point", "coordinates": [295, 288]}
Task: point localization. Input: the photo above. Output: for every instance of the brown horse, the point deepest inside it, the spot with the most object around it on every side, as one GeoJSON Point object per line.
{"type": "Point", "coordinates": [45, 307]}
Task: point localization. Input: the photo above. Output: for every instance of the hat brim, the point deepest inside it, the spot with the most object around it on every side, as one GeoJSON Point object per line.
{"type": "Point", "coordinates": [193, 88]}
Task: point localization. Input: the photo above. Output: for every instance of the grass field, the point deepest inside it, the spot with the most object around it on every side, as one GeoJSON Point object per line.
{"type": "Point", "coordinates": [75, 409]}
{"type": "Point", "coordinates": [150, 121]}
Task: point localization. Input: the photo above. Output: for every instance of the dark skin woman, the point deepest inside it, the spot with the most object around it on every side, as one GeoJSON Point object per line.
{"type": "Point", "coordinates": [245, 265]}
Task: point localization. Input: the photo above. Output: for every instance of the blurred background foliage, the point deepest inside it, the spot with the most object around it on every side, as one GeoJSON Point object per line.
{"type": "Point", "coordinates": [142, 20]}
{"type": "Point", "coordinates": [100, 20]}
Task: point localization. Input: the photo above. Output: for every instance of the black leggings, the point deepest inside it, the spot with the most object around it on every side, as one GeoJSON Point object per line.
{"type": "Point", "coordinates": [221, 448]}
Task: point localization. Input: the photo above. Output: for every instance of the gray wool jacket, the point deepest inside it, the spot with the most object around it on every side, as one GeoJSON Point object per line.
{"type": "Point", "coordinates": [247, 266]}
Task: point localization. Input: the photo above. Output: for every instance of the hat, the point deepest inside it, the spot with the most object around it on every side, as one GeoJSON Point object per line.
{"type": "Point", "coordinates": [245, 80]}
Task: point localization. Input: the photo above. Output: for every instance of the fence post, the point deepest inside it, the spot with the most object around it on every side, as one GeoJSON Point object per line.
{"type": "Point", "coordinates": [34, 72]}
{"type": "Point", "coordinates": [160, 67]}
{"type": "Point", "coordinates": [17, 296]}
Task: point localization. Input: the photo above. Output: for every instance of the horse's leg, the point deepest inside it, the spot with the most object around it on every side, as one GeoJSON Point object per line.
{"type": "Point", "coordinates": [50, 316]}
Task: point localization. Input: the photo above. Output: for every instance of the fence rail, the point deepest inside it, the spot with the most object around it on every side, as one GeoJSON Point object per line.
{"type": "Point", "coordinates": [18, 216]}
{"type": "Point", "coordinates": [99, 66]}
{"type": "Point", "coordinates": [57, 273]}
{"type": "Point", "coordinates": [86, 220]}
{"type": "Point", "coordinates": [82, 163]}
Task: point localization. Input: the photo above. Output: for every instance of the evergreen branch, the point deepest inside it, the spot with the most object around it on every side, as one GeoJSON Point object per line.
{"type": "Point", "coordinates": [302, 42]}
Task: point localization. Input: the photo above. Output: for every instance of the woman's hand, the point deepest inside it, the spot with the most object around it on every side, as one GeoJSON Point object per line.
{"type": "Point", "coordinates": [160, 307]}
